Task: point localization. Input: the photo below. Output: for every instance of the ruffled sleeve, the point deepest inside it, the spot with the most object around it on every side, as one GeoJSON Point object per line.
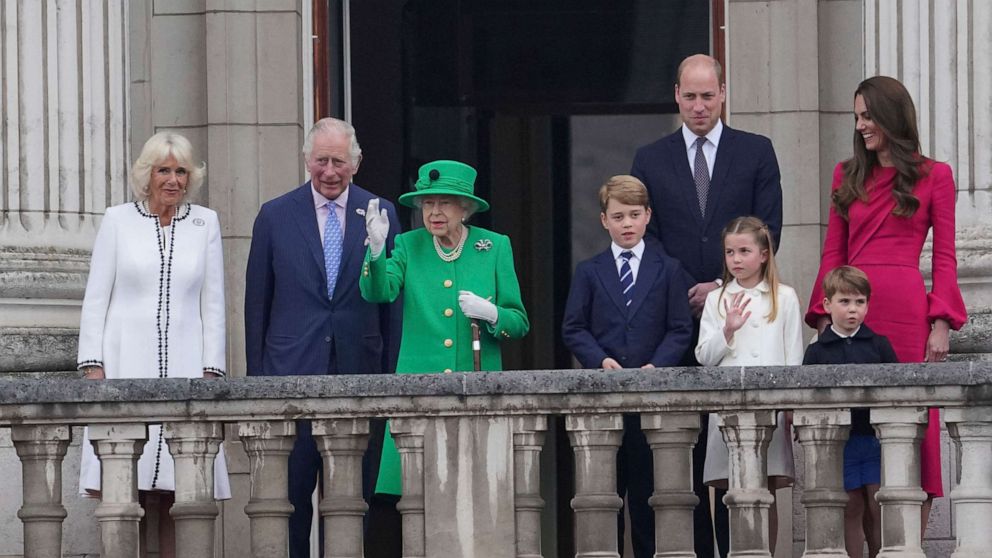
{"type": "Point", "coordinates": [944, 299]}
{"type": "Point", "coordinates": [834, 253]}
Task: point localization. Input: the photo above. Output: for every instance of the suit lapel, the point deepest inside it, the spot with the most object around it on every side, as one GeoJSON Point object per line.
{"type": "Point", "coordinates": [606, 269]}
{"type": "Point", "coordinates": [724, 160]}
{"type": "Point", "coordinates": [647, 272]}
{"type": "Point", "coordinates": [354, 233]}
{"type": "Point", "coordinates": [307, 222]}
{"type": "Point", "coordinates": [683, 175]}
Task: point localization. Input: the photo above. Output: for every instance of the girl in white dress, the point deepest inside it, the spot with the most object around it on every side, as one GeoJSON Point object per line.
{"type": "Point", "coordinates": [752, 321]}
{"type": "Point", "coordinates": [154, 306]}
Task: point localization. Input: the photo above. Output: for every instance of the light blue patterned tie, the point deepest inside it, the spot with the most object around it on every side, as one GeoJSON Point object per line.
{"type": "Point", "coordinates": [627, 276]}
{"type": "Point", "coordinates": [332, 248]}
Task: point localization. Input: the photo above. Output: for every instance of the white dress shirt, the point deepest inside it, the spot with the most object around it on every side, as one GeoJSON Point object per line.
{"type": "Point", "coordinates": [635, 262]}
{"type": "Point", "coordinates": [709, 148]}
{"type": "Point", "coordinates": [320, 203]}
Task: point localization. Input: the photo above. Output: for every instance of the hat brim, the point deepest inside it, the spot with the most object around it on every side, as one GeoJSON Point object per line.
{"type": "Point", "coordinates": [408, 198]}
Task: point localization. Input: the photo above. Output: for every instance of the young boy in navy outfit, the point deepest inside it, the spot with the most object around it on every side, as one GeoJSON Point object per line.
{"type": "Point", "coordinates": [849, 341]}
{"type": "Point", "coordinates": [627, 308]}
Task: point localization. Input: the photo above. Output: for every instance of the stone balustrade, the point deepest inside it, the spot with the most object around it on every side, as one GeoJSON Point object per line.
{"type": "Point", "coordinates": [40, 411]}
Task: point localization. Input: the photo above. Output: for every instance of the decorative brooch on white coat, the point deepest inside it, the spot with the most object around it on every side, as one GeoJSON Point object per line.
{"type": "Point", "coordinates": [483, 245]}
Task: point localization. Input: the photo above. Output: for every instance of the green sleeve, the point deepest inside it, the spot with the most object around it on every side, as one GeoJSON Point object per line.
{"type": "Point", "coordinates": [512, 321]}
{"type": "Point", "coordinates": [382, 278]}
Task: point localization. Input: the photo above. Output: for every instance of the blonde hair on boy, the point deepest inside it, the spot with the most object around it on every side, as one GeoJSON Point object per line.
{"type": "Point", "coordinates": [846, 279]}
{"type": "Point", "coordinates": [626, 189]}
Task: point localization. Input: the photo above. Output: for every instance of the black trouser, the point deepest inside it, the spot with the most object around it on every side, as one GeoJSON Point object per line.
{"type": "Point", "coordinates": [635, 480]}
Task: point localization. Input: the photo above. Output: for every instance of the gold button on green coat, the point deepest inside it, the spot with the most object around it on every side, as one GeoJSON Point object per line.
{"type": "Point", "coordinates": [415, 271]}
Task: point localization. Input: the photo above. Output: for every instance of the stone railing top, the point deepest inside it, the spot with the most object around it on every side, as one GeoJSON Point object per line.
{"type": "Point", "coordinates": [510, 392]}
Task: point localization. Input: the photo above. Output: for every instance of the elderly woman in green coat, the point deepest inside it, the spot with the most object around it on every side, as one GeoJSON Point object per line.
{"type": "Point", "coordinates": [449, 274]}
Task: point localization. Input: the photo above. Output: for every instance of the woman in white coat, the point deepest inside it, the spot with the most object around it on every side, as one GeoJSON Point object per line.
{"type": "Point", "coordinates": [154, 305]}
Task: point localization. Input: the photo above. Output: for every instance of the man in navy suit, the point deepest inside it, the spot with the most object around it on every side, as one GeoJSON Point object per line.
{"type": "Point", "coordinates": [699, 178]}
{"type": "Point", "coordinates": [304, 313]}
{"type": "Point", "coordinates": [627, 309]}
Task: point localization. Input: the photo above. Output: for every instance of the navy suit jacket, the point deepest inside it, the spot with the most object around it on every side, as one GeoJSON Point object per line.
{"type": "Point", "coordinates": [655, 328]}
{"type": "Point", "coordinates": [745, 181]}
{"type": "Point", "coordinates": [289, 322]}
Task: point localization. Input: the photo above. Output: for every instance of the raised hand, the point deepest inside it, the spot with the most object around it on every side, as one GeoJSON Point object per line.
{"type": "Point", "coordinates": [737, 314]}
{"type": "Point", "coordinates": [376, 227]}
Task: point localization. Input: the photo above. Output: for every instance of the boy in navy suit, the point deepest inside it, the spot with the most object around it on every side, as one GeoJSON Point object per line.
{"type": "Point", "coordinates": [849, 341]}
{"type": "Point", "coordinates": [627, 308]}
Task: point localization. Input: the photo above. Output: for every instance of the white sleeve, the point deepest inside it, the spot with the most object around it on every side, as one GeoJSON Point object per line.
{"type": "Point", "coordinates": [712, 345]}
{"type": "Point", "coordinates": [792, 332]}
{"type": "Point", "coordinates": [99, 290]}
{"type": "Point", "coordinates": [212, 308]}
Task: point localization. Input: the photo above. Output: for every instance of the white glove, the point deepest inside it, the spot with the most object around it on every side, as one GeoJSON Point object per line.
{"type": "Point", "coordinates": [474, 306]}
{"type": "Point", "coordinates": [377, 227]}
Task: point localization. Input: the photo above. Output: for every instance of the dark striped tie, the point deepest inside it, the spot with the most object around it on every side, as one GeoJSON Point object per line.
{"type": "Point", "coordinates": [701, 175]}
{"type": "Point", "coordinates": [627, 276]}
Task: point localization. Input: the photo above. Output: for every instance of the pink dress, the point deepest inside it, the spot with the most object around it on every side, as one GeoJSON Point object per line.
{"type": "Point", "coordinates": [887, 248]}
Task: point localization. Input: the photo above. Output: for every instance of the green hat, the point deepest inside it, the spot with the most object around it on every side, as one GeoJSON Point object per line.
{"type": "Point", "coordinates": [445, 178]}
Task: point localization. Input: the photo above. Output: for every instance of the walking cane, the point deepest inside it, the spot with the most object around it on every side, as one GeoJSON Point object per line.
{"type": "Point", "coordinates": [476, 346]}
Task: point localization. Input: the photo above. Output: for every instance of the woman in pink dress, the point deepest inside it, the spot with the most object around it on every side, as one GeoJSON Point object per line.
{"type": "Point", "coordinates": [884, 201]}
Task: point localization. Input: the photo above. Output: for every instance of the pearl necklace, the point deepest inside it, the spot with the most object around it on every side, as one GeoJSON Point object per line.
{"type": "Point", "coordinates": [456, 253]}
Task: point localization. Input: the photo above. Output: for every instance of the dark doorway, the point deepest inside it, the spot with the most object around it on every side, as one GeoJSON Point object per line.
{"type": "Point", "coordinates": [546, 98]}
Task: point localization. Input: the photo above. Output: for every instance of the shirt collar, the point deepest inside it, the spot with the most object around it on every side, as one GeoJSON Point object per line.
{"type": "Point", "coordinates": [713, 136]}
{"type": "Point", "coordinates": [638, 249]}
{"type": "Point", "coordinates": [735, 287]}
{"type": "Point", "coordinates": [841, 335]}
{"type": "Point", "coordinates": [319, 200]}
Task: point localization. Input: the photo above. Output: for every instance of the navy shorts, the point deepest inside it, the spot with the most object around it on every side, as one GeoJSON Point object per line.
{"type": "Point", "coordinates": [862, 462]}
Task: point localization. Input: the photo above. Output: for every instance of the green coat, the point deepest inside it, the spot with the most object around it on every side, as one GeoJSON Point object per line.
{"type": "Point", "coordinates": [437, 337]}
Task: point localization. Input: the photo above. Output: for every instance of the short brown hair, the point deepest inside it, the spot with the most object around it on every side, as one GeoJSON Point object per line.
{"type": "Point", "coordinates": [626, 189]}
{"type": "Point", "coordinates": [846, 279]}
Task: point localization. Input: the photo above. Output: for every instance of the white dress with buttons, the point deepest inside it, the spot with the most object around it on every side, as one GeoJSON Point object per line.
{"type": "Point", "coordinates": [154, 308]}
{"type": "Point", "coordinates": [757, 343]}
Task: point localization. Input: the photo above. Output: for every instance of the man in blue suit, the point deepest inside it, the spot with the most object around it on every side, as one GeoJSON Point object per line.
{"type": "Point", "coordinates": [627, 309]}
{"type": "Point", "coordinates": [699, 178]}
{"type": "Point", "coordinates": [304, 313]}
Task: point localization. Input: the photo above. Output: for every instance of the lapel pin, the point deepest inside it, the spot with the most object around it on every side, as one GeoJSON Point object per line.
{"type": "Point", "coordinates": [360, 211]}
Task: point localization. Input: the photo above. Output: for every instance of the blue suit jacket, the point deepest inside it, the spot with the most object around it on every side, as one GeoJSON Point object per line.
{"type": "Point", "coordinates": [745, 181]}
{"type": "Point", "coordinates": [289, 321]}
{"type": "Point", "coordinates": [655, 328]}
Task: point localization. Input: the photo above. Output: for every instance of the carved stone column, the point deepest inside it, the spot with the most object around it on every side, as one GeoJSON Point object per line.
{"type": "Point", "coordinates": [41, 449]}
{"type": "Point", "coordinates": [595, 439]}
{"type": "Point", "coordinates": [822, 434]}
{"type": "Point", "coordinates": [748, 434]}
{"type": "Point", "coordinates": [63, 101]}
{"type": "Point", "coordinates": [119, 446]}
{"type": "Point", "coordinates": [268, 444]}
{"type": "Point", "coordinates": [408, 434]}
{"type": "Point", "coordinates": [900, 432]}
{"type": "Point", "coordinates": [672, 437]}
{"type": "Point", "coordinates": [342, 442]}
{"type": "Point", "coordinates": [971, 497]}
{"type": "Point", "coordinates": [194, 447]}
{"type": "Point", "coordinates": [528, 439]}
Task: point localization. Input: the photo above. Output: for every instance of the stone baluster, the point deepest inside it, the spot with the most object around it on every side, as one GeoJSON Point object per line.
{"type": "Point", "coordinates": [119, 446]}
{"type": "Point", "coordinates": [268, 444]}
{"type": "Point", "coordinates": [900, 432]}
{"type": "Point", "coordinates": [748, 434]}
{"type": "Point", "coordinates": [41, 449]}
{"type": "Point", "coordinates": [408, 434]}
{"type": "Point", "coordinates": [672, 437]}
{"type": "Point", "coordinates": [822, 434]}
{"type": "Point", "coordinates": [595, 440]}
{"type": "Point", "coordinates": [528, 439]}
{"type": "Point", "coordinates": [971, 498]}
{"type": "Point", "coordinates": [194, 446]}
{"type": "Point", "coordinates": [342, 442]}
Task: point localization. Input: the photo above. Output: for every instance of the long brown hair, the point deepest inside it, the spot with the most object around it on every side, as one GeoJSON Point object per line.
{"type": "Point", "coordinates": [891, 108]}
{"type": "Point", "coordinates": [763, 238]}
